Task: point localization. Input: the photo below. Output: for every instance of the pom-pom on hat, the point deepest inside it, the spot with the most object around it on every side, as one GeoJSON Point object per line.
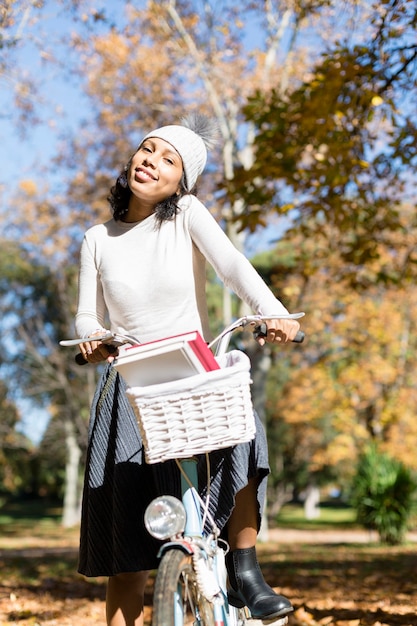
{"type": "Point", "coordinates": [191, 139]}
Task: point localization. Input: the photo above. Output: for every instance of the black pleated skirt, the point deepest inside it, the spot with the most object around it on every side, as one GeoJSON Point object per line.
{"type": "Point", "coordinates": [119, 484]}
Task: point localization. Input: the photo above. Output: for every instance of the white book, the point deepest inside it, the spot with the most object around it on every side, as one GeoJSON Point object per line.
{"type": "Point", "coordinates": [164, 360]}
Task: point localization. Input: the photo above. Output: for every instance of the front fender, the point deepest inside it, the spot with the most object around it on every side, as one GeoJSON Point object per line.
{"type": "Point", "coordinates": [180, 544]}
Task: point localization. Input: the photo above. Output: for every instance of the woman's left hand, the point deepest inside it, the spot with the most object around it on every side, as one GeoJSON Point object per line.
{"type": "Point", "coordinates": [279, 331]}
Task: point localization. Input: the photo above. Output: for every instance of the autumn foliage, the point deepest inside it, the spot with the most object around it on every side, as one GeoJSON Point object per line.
{"type": "Point", "coordinates": [316, 109]}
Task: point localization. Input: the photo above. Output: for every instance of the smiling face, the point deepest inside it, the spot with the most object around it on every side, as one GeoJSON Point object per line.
{"type": "Point", "coordinates": [155, 172]}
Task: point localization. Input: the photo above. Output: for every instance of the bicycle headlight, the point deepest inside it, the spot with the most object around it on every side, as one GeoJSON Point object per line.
{"type": "Point", "coordinates": [165, 517]}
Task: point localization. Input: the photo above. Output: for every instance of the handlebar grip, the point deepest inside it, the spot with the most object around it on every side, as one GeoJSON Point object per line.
{"type": "Point", "coordinates": [299, 338]}
{"type": "Point", "coordinates": [261, 330]}
{"type": "Point", "coordinates": [80, 360]}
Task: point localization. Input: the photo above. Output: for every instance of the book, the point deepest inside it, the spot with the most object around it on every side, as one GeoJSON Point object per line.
{"type": "Point", "coordinates": [163, 360]}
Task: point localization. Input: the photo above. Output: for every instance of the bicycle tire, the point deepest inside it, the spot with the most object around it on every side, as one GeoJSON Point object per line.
{"type": "Point", "coordinates": [177, 600]}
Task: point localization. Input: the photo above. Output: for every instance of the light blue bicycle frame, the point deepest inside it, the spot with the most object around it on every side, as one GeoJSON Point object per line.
{"type": "Point", "coordinates": [224, 614]}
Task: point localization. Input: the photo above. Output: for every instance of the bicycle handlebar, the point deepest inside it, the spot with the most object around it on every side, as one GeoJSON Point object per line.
{"type": "Point", "coordinates": [262, 329]}
{"type": "Point", "coordinates": [259, 331]}
{"type": "Point", "coordinates": [113, 340]}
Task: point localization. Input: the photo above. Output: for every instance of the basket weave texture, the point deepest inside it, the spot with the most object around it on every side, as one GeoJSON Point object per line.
{"type": "Point", "coordinates": [198, 414]}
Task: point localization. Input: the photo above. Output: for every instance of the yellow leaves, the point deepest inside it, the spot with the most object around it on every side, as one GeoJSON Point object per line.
{"type": "Point", "coordinates": [38, 220]}
{"type": "Point", "coordinates": [354, 376]}
{"type": "Point", "coordinates": [291, 291]}
{"type": "Point", "coordinates": [304, 618]}
{"type": "Point", "coordinates": [379, 371]}
{"type": "Point", "coordinates": [113, 48]}
{"type": "Point", "coordinates": [343, 448]}
{"type": "Point", "coordinates": [224, 29]}
{"type": "Point", "coordinates": [377, 101]}
{"type": "Point", "coordinates": [29, 187]}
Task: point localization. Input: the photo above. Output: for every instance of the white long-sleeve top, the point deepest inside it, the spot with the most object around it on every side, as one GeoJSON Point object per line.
{"type": "Point", "coordinates": [150, 279]}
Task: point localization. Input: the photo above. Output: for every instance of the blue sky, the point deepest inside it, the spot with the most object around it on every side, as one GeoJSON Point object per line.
{"type": "Point", "coordinates": [60, 104]}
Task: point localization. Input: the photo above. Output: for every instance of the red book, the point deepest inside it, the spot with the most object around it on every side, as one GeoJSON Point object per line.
{"type": "Point", "coordinates": [166, 359]}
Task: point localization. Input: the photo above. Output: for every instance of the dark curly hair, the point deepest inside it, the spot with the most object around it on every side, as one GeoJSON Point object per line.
{"type": "Point", "coordinates": [120, 195]}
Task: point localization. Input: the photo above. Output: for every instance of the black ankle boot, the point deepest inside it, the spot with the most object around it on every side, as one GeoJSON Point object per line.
{"type": "Point", "coordinates": [247, 586]}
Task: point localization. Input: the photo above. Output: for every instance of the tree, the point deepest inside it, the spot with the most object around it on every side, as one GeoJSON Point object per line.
{"type": "Point", "coordinates": [199, 43]}
{"type": "Point", "coordinates": [201, 58]}
{"type": "Point", "coordinates": [352, 383]}
{"type": "Point", "coordinates": [15, 451]}
{"type": "Point", "coordinates": [16, 19]}
{"type": "Point", "coordinates": [346, 151]}
{"type": "Point", "coordinates": [37, 304]}
{"type": "Point", "coordinates": [336, 154]}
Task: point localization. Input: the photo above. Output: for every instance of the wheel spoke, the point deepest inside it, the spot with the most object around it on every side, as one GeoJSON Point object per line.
{"type": "Point", "coordinates": [177, 600]}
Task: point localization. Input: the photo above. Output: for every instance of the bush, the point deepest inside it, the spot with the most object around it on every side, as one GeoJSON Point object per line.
{"type": "Point", "coordinates": [383, 491]}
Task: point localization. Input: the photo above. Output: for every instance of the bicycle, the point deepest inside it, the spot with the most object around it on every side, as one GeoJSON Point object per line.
{"type": "Point", "coordinates": [191, 580]}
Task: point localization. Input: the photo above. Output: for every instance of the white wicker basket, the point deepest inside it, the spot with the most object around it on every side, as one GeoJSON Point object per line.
{"type": "Point", "coordinates": [197, 414]}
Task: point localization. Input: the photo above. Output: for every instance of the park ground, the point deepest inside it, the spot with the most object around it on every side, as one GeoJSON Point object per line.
{"type": "Point", "coordinates": [334, 573]}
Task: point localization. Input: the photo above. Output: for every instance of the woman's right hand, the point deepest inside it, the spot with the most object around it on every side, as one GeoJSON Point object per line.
{"type": "Point", "coordinates": [97, 351]}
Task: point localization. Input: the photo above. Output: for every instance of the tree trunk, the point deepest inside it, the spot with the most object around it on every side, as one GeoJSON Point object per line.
{"type": "Point", "coordinates": [71, 512]}
{"type": "Point", "coordinates": [312, 502]}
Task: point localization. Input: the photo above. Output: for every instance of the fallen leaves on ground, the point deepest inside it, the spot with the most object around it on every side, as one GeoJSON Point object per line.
{"type": "Point", "coordinates": [339, 584]}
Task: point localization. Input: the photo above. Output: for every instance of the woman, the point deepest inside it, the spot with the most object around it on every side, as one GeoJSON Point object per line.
{"type": "Point", "coordinates": [144, 271]}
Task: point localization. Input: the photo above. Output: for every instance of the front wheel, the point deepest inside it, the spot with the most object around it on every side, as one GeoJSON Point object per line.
{"type": "Point", "coordinates": [177, 600]}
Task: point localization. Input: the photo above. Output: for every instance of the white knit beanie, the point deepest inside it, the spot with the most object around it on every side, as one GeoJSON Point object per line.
{"type": "Point", "coordinates": [191, 140]}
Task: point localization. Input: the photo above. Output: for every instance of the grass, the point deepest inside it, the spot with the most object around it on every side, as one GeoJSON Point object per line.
{"type": "Point", "coordinates": [42, 517]}
{"type": "Point", "coordinates": [27, 522]}
{"type": "Point", "coordinates": [332, 516]}
{"type": "Point", "coordinates": [23, 511]}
